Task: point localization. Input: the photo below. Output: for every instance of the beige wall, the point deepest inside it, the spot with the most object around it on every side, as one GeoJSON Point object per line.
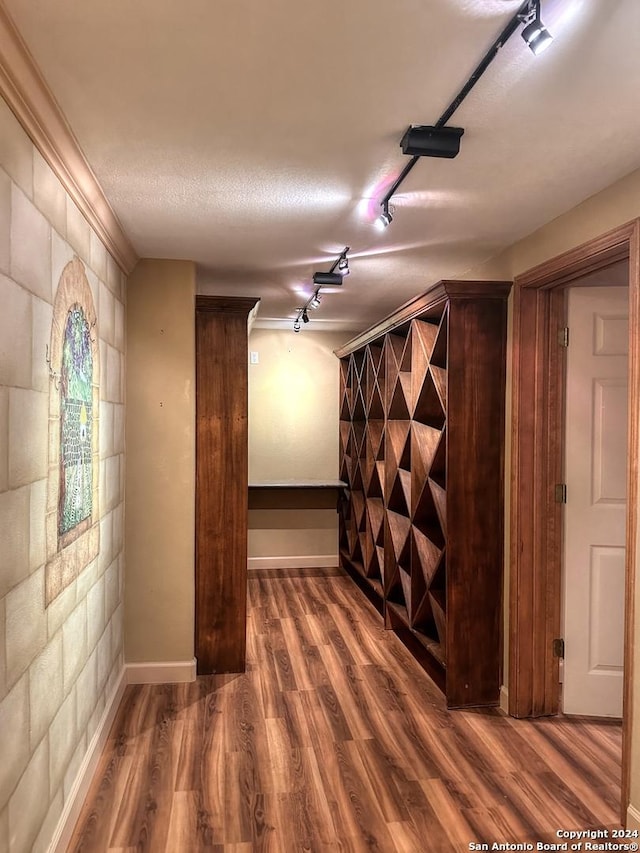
{"type": "Point", "coordinates": [60, 666]}
{"type": "Point", "coordinates": [160, 481]}
{"type": "Point", "coordinates": [293, 435]}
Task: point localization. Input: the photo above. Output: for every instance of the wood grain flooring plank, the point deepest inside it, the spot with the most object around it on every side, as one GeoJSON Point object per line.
{"type": "Point", "coordinates": [335, 739]}
{"type": "Point", "coordinates": [317, 628]}
{"type": "Point", "coordinates": [188, 827]}
{"type": "Point", "coordinates": [449, 814]}
{"type": "Point", "coordinates": [100, 819]}
{"type": "Point", "coordinates": [286, 769]}
{"type": "Point", "coordinates": [289, 604]}
{"type": "Point", "coordinates": [385, 777]}
{"type": "Point", "coordinates": [363, 804]}
{"type": "Point", "coordinates": [381, 684]}
{"type": "Point", "coordinates": [282, 660]}
{"type": "Point", "coordinates": [567, 773]}
{"type": "Point", "coordinates": [426, 821]}
{"type": "Point", "coordinates": [343, 684]}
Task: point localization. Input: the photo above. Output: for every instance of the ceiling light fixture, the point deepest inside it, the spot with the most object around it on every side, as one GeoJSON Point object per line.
{"type": "Point", "coordinates": [343, 266]}
{"type": "Point", "coordinates": [535, 34]}
{"type": "Point", "coordinates": [296, 326]}
{"type": "Point", "coordinates": [315, 299]}
{"type": "Point", "coordinates": [305, 316]}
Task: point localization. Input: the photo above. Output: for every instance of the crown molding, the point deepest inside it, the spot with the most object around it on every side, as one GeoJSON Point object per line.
{"type": "Point", "coordinates": [30, 99]}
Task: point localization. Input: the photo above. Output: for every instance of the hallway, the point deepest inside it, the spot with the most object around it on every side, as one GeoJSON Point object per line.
{"type": "Point", "coordinates": [335, 739]}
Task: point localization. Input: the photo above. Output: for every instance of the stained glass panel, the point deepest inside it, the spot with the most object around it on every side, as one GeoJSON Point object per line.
{"type": "Point", "coordinates": [76, 423]}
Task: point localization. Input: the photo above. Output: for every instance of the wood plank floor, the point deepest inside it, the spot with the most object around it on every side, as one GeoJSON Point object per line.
{"type": "Point", "coordinates": [335, 740]}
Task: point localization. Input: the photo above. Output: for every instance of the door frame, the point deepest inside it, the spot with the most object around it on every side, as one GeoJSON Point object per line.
{"type": "Point", "coordinates": [536, 467]}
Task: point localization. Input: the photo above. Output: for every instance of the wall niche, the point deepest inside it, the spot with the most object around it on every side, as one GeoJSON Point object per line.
{"type": "Point", "coordinates": [72, 527]}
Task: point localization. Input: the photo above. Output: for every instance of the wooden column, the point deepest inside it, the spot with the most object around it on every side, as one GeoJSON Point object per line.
{"type": "Point", "coordinates": [221, 482]}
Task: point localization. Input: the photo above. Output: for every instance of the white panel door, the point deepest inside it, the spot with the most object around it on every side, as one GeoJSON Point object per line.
{"type": "Point", "coordinates": [595, 514]}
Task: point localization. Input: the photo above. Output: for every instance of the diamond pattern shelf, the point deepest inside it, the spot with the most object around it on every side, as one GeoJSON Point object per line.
{"type": "Point", "coordinates": [421, 446]}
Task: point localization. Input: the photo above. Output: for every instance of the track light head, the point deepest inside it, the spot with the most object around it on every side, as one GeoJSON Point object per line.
{"type": "Point", "coordinates": [428, 141]}
{"type": "Point", "coordinates": [296, 326]}
{"type": "Point", "coordinates": [331, 279]}
{"type": "Point", "coordinates": [315, 300]}
{"type": "Point", "coordinates": [535, 34]}
{"type": "Point", "coordinates": [343, 266]}
{"type": "Point", "coordinates": [385, 219]}
{"type": "Point", "coordinates": [305, 316]}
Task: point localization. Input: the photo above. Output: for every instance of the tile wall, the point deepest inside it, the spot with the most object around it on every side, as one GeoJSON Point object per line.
{"type": "Point", "coordinates": [59, 666]}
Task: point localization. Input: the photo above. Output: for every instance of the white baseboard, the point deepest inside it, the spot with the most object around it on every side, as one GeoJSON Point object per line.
{"type": "Point", "coordinates": [633, 818]}
{"type": "Point", "coordinates": [161, 672]}
{"type": "Point", "coordinates": [321, 561]}
{"type": "Point", "coordinates": [78, 793]}
{"type": "Point", "coordinates": [504, 699]}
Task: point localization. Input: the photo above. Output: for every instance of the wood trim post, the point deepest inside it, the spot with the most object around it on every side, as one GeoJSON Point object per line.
{"type": "Point", "coordinates": [221, 482]}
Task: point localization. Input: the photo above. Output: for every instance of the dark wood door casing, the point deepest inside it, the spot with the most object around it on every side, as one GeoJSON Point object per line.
{"type": "Point", "coordinates": [221, 482]}
{"type": "Point", "coordinates": [536, 466]}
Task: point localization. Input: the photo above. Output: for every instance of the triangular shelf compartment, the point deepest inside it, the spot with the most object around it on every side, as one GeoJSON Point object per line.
{"type": "Point", "coordinates": [439, 376]}
{"type": "Point", "coordinates": [440, 620]}
{"type": "Point", "coordinates": [391, 579]}
{"type": "Point", "coordinates": [405, 481]}
{"type": "Point", "coordinates": [357, 484]}
{"type": "Point", "coordinates": [374, 486]}
{"type": "Point", "coordinates": [376, 352]}
{"type": "Point", "coordinates": [438, 584]}
{"type": "Point", "coordinates": [405, 582]}
{"type": "Point", "coordinates": [375, 510]}
{"type": "Point", "coordinates": [359, 363]}
{"type": "Point", "coordinates": [398, 528]}
{"type": "Point", "coordinates": [439, 352]}
{"type": "Point", "coordinates": [422, 618]}
{"type": "Point", "coordinates": [398, 407]}
{"type": "Point", "coordinates": [397, 497]}
{"type": "Point", "coordinates": [397, 437]}
{"type": "Point", "coordinates": [407, 390]}
{"type": "Point", "coordinates": [368, 378]}
{"type": "Point", "coordinates": [372, 568]}
{"type": "Point", "coordinates": [438, 469]}
{"type": "Point", "coordinates": [345, 408]}
{"type": "Point", "coordinates": [424, 443]}
{"type": "Point", "coordinates": [358, 447]}
{"type": "Point", "coordinates": [375, 407]}
{"type": "Point", "coordinates": [426, 556]}
{"type": "Point", "coordinates": [345, 429]}
{"type": "Point", "coordinates": [357, 500]}
{"type": "Point", "coordinates": [428, 408]}
{"type": "Point", "coordinates": [366, 547]}
{"type": "Point", "coordinates": [380, 466]}
{"type": "Point", "coordinates": [375, 440]}
{"type": "Point", "coordinates": [440, 500]}
{"type": "Point", "coordinates": [394, 346]}
{"type": "Point", "coordinates": [358, 410]}
{"type": "Point", "coordinates": [426, 519]}
{"type": "Point", "coordinates": [423, 336]}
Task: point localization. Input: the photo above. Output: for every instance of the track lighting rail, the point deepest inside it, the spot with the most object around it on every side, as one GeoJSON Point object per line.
{"type": "Point", "coordinates": [523, 14]}
{"type": "Point", "coordinates": [329, 278]}
{"type": "Point", "coordinates": [537, 38]}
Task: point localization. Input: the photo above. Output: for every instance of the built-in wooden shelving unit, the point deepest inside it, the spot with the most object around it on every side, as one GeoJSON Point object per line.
{"type": "Point", "coordinates": [421, 443]}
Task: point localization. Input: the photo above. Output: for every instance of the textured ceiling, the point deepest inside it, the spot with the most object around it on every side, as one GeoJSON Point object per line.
{"type": "Point", "coordinates": [257, 138]}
